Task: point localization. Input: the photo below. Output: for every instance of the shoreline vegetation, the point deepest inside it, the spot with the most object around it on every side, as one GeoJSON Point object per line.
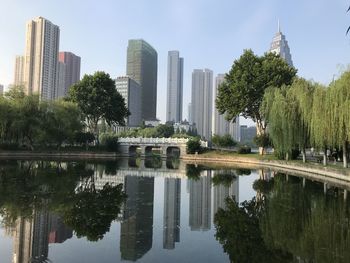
{"type": "Point", "coordinates": [209, 158]}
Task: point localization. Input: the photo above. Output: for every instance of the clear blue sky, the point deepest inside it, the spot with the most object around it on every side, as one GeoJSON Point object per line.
{"type": "Point", "coordinates": [208, 34]}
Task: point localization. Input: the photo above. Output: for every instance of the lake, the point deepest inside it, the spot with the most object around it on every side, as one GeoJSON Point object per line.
{"type": "Point", "coordinates": [157, 210]}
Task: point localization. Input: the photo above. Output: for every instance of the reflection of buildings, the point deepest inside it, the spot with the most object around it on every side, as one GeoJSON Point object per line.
{"type": "Point", "coordinates": [58, 231]}
{"type": "Point", "coordinates": [222, 191]}
{"type": "Point", "coordinates": [137, 225]}
{"type": "Point", "coordinates": [33, 235]}
{"type": "Point", "coordinates": [200, 202]}
{"type": "Point", "coordinates": [172, 201]}
{"type": "Point", "coordinates": [31, 242]}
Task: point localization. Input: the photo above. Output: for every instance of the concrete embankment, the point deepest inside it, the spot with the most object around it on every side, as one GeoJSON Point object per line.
{"type": "Point", "coordinates": [336, 176]}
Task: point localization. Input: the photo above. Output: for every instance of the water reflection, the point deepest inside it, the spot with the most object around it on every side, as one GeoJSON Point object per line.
{"type": "Point", "coordinates": [169, 208]}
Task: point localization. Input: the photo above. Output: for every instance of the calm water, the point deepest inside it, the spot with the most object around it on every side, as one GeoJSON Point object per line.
{"type": "Point", "coordinates": [166, 211]}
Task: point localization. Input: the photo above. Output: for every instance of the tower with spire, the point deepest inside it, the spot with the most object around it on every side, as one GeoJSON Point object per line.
{"type": "Point", "coordinates": [280, 46]}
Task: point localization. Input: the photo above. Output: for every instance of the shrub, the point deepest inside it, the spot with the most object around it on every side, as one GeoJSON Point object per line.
{"type": "Point", "coordinates": [110, 142]}
{"type": "Point", "coordinates": [193, 145]}
{"type": "Point", "coordinates": [244, 150]}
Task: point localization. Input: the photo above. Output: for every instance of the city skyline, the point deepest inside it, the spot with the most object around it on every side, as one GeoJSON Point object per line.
{"type": "Point", "coordinates": [185, 27]}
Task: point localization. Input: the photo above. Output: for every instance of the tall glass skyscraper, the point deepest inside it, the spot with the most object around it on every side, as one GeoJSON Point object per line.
{"type": "Point", "coordinates": [280, 46]}
{"type": "Point", "coordinates": [142, 66]}
{"type": "Point", "coordinates": [174, 87]}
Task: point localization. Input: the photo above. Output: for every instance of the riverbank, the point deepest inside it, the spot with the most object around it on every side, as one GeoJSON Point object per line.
{"type": "Point", "coordinates": [54, 155]}
{"type": "Point", "coordinates": [336, 174]}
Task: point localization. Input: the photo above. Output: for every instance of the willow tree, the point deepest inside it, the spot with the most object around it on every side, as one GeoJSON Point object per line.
{"type": "Point", "coordinates": [338, 98]}
{"type": "Point", "coordinates": [245, 85]}
{"type": "Point", "coordinates": [320, 127]}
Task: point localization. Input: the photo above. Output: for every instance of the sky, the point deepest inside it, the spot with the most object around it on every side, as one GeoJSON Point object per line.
{"type": "Point", "coordinates": [207, 33]}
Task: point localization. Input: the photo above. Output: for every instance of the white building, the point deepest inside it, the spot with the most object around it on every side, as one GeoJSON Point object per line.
{"type": "Point", "coordinates": [220, 125]}
{"type": "Point", "coordinates": [174, 87]}
{"type": "Point", "coordinates": [280, 46]}
{"type": "Point", "coordinates": [131, 92]}
{"type": "Point", "coordinates": [202, 101]}
{"type": "Point", "coordinates": [19, 71]}
{"type": "Point", "coordinates": [41, 58]}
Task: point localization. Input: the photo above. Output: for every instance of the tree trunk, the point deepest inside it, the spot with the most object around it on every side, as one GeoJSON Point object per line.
{"type": "Point", "coordinates": [304, 155]}
{"type": "Point", "coordinates": [325, 156]}
{"type": "Point", "coordinates": [345, 159]}
{"type": "Point", "coordinates": [287, 156]}
{"type": "Point", "coordinates": [260, 130]}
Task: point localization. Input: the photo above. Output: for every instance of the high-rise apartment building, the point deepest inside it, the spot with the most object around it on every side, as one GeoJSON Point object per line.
{"type": "Point", "coordinates": [220, 125]}
{"type": "Point", "coordinates": [41, 58]}
{"type": "Point", "coordinates": [19, 71]}
{"type": "Point", "coordinates": [174, 87]}
{"type": "Point", "coordinates": [142, 66]}
{"type": "Point", "coordinates": [72, 70]}
{"type": "Point", "coordinates": [131, 92]}
{"type": "Point", "coordinates": [202, 101]}
{"type": "Point", "coordinates": [280, 46]}
{"type": "Point", "coordinates": [189, 111]}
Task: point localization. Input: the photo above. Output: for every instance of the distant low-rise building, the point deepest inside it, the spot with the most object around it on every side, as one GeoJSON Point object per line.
{"type": "Point", "coordinates": [247, 134]}
{"type": "Point", "coordinates": [183, 126]}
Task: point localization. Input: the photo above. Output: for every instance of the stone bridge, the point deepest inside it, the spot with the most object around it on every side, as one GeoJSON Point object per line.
{"type": "Point", "coordinates": [167, 146]}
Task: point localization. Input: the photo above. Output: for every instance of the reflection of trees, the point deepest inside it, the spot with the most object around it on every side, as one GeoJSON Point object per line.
{"type": "Point", "coordinates": [239, 232]}
{"type": "Point", "coordinates": [224, 177]}
{"type": "Point", "coordinates": [31, 186]}
{"type": "Point", "coordinates": [290, 223]}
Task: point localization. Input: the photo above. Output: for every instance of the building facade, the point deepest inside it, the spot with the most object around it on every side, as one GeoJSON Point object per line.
{"type": "Point", "coordinates": [220, 125]}
{"type": "Point", "coordinates": [41, 58]}
{"type": "Point", "coordinates": [72, 70]}
{"type": "Point", "coordinates": [174, 87]}
{"type": "Point", "coordinates": [19, 71]}
{"type": "Point", "coordinates": [61, 79]}
{"type": "Point", "coordinates": [131, 92]}
{"type": "Point", "coordinates": [142, 66]}
{"type": "Point", "coordinates": [247, 133]}
{"type": "Point", "coordinates": [202, 101]}
{"type": "Point", "coordinates": [1, 90]}
{"type": "Point", "coordinates": [280, 47]}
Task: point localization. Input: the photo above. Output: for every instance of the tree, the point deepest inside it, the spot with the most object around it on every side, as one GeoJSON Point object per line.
{"type": "Point", "coordinates": [98, 99]}
{"type": "Point", "coordinates": [245, 85]}
{"type": "Point", "coordinates": [223, 141]}
{"type": "Point", "coordinates": [193, 145]}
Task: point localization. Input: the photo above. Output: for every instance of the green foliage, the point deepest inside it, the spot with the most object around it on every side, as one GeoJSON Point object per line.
{"type": "Point", "coordinates": [110, 141]}
{"type": "Point", "coordinates": [262, 140]}
{"type": "Point", "coordinates": [224, 178]}
{"type": "Point", "coordinates": [223, 141]}
{"type": "Point", "coordinates": [161, 131]}
{"type": "Point", "coordinates": [98, 99]}
{"type": "Point", "coordinates": [84, 138]}
{"type": "Point", "coordinates": [245, 85]}
{"type": "Point", "coordinates": [27, 121]}
{"type": "Point", "coordinates": [244, 150]}
{"type": "Point", "coordinates": [193, 146]}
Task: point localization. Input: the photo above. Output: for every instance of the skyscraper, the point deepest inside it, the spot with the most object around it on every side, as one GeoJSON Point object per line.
{"type": "Point", "coordinates": [142, 67]}
{"type": "Point", "coordinates": [61, 79]}
{"type": "Point", "coordinates": [41, 58]}
{"type": "Point", "coordinates": [19, 71]}
{"type": "Point", "coordinates": [72, 70]}
{"type": "Point", "coordinates": [202, 101]}
{"type": "Point", "coordinates": [220, 125]}
{"type": "Point", "coordinates": [174, 87]}
{"type": "Point", "coordinates": [131, 92]}
{"type": "Point", "coordinates": [280, 46]}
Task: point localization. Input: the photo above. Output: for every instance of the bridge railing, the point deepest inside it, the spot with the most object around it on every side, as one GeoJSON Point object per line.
{"type": "Point", "coordinates": [141, 140]}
